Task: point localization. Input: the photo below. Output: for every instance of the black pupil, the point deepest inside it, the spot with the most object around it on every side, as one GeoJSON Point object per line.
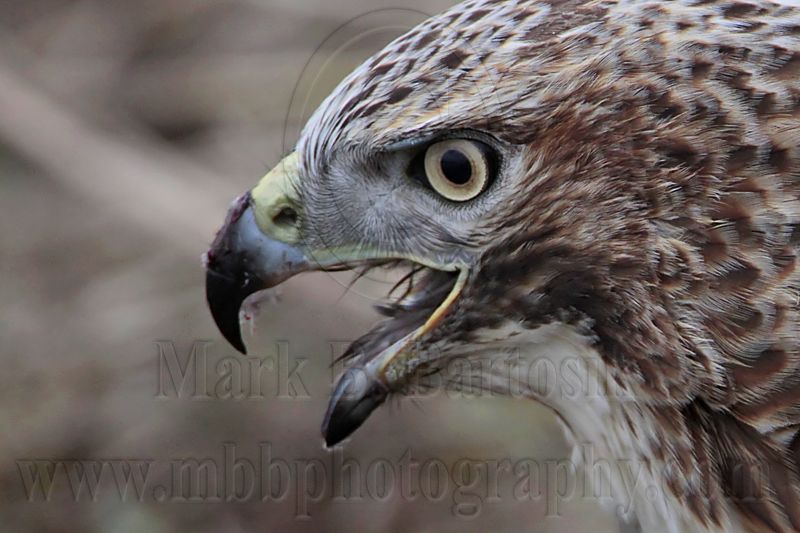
{"type": "Point", "coordinates": [456, 167]}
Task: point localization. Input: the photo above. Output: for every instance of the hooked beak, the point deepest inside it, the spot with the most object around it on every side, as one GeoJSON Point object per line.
{"type": "Point", "coordinates": [259, 246]}
{"type": "Point", "coordinates": [241, 261]}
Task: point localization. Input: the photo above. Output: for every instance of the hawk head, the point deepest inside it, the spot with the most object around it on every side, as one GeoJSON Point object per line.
{"type": "Point", "coordinates": [611, 181]}
{"type": "Point", "coordinates": [484, 163]}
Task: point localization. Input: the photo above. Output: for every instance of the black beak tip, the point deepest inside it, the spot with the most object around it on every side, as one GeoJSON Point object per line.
{"type": "Point", "coordinates": [224, 301]}
{"type": "Point", "coordinates": [353, 400]}
{"type": "Point", "coordinates": [336, 434]}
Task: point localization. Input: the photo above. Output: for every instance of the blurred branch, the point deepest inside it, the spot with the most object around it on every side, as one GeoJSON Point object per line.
{"type": "Point", "coordinates": [159, 191]}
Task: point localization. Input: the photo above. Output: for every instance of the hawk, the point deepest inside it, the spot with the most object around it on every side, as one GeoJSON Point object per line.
{"type": "Point", "coordinates": [610, 182]}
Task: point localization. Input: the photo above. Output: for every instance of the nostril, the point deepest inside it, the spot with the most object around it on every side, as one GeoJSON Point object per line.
{"type": "Point", "coordinates": [286, 216]}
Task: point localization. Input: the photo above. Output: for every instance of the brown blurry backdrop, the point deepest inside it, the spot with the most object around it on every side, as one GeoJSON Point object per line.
{"type": "Point", "coordinates": [126, 127]}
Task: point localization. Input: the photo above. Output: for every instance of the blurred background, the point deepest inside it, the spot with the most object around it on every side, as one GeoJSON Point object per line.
{"type": "Point", "coordinates": [126, 128]}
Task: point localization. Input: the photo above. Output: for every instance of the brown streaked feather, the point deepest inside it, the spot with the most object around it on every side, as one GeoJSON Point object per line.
{"type": "Point", "coordinates": [701, 174]}
{"type": "Point", "coordinates": [661, 200]}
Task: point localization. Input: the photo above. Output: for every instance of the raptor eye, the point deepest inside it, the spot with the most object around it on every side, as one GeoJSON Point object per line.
{"type": "Point", "coordinates": [457, 169]}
